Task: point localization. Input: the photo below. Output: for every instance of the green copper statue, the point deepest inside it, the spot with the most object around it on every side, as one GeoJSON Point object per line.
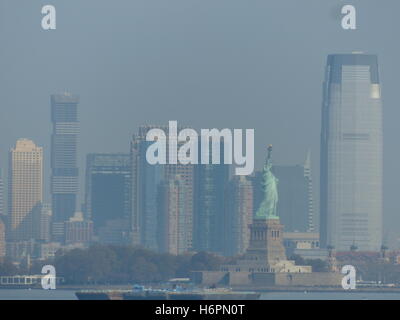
{"type": "Point", "coordinates": [267, 208]}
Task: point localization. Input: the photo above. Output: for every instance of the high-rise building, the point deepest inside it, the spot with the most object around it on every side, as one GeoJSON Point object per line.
{"type": "Point", "coordinates": [174, 199]}
{"type": "Point", "coordinates": [238, 215]}
{"type": "Point", "coordinates": [146, 179]}
{"type": "Point", "coordinates": [351, 153]}
{"type": "Point", "coordinates": [308, 176]}
{"type": "Point", "coordinates": [134, 221]}
{"type": "Point", "coordinates": [108, 188]}
{"type": "Point", "coordinates": [295, 204]}
{"type": "Point", "coordinates": [210, 184]}
{"type": "Point", "coordinates": [146, 182]}
{"type": "Point", "coordinates": [64, 141]}
{"type": "Point", "coordinates": [169, 211]}
{"type": "Point", "coordinates": [1, 194]}
{"type": "Point", "coordinates": [2, 239]}
{"type": "Point", "coordinates": [25, 188]}
{"type": "Point", "coordinates": [42, 223]}
{"type": "Point", "coordinates": [182, 176]}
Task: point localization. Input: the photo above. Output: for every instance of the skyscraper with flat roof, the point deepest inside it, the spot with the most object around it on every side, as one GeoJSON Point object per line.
{"type": "Point", "coordinates": [211, 181]}
{"type": "Point", "coordinates": [108, 187]}
{"type": "Point", "coordinates": [146, 179]}
{"type": "Point", "coordinates": [295, 205]}
{"type": "Point", "coordinates": [25, 188]}
{"type": "Point", "coordinates": [64, 168]}
{"type": "Point", "coordinates": [1, 193]}
{"type": "Point", "coordinates": [351, 153]}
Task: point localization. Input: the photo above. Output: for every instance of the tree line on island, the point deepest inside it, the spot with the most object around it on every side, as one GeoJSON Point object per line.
{"type": "Point", "coordinates": [110, 264]}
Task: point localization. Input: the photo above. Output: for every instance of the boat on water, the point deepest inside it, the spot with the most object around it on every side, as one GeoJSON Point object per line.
{"type": "Point", "coordinates": [143, 293]}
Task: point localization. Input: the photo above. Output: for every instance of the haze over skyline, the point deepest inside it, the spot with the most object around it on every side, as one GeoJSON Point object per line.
{"type": "Point", "coordinates": [225, 64]}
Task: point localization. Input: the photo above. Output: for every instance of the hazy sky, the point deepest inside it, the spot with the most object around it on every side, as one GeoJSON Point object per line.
{"type": "Point", "coordinates": [206, 63]}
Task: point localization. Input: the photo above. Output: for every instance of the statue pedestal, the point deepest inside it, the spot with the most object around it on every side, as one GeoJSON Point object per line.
{"type": "Point", "coordinates": [266, 242]}
{"type": "Point", "coordinates": [266, 252]}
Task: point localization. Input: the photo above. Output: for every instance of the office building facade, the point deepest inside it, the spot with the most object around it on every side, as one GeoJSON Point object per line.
{"type": "Point", "coordinates": [209, 195]}
{"type": "Point", "coordinates": [108, 188]}
{"type": "Point", "coordinates": [171, 217]}
{"type": "Point", "coordinates": [148, 189]}
{"type": "Point", "coordinates": [2, 199]}
{"type": "Point", "coordinates": [238, 215]}
{"type": "Point", "coordinates": [25, 188]}
{"type": "Point", "coordinates": [295, 205]}
{"type": "Point", "coordinates": [351, 154]}
{"type": "Point", "coordinates": [3, 245]}
{"type": "Point", "coordinates": [78, 230]}
{"type": "Point", "coordinates": [64, 143]}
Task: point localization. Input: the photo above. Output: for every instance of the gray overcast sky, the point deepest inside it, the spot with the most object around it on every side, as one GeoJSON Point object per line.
{"type": "Point", "coordinates": [206, 63]}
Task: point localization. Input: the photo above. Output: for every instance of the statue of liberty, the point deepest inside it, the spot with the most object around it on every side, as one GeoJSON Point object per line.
{"type": "Point", "coordinates": [268, 206]}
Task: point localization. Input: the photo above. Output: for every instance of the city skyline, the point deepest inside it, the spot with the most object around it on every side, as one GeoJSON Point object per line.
{"type": "Point", "coordinates": [205, 150]}
{"type": "Point", "coordinates": [271, 83]}
{"type": "Point", "coordinates": [68, 104]}
{"type": "Point", "coordinates": [234, 84]}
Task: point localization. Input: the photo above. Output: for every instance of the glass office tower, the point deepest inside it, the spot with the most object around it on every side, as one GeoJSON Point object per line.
{"type": "Point", "coordinates": [108, 187]}
{"type": "Point", "coordinates": [64, 141]}
{"type": "Point", "coordinates": [211, 181]}
{"type": "Point", "coordinates": [1, 193]}
{"type": "Point", "coordinates": [351, 153]}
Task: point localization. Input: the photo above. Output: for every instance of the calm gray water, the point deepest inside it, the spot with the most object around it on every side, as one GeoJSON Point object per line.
{"type": "Point", "coordinates": [37, 294]}
{"type": "Point", "coordinates": [345, 295]}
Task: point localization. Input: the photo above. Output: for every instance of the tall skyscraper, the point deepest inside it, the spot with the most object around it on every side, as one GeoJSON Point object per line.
{"type": "Point", "coordinates": [308, 176]}
{"type": "Point", "coordinates": [25, 188]}
{"type": "Point", "coordinates": [147, 180]}
{"type": "Point", "coordinates": [351, 153]}
{"type": "Point", "coordinates": [210, 185]}
{"type": "Point", "coordinates": [238, 215]}
{"type": "Point", "coordinates": [295, 204]}
{"type": "Point", "coordinates": [64, 141]}
{"type": "Point", "coordinates": [174, 198]}
{"type": "Point", "coordinates": [2, 239]}
{"type": "Point", "coordinates": [1, 193]}
{"type": "Point", "coordinates": [108, 188]}
{"type": "Point", "coordinates": [182, 176]}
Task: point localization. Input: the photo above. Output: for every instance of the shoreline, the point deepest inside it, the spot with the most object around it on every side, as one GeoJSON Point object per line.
{"type": "Point", "coordinates": [238, 289]}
